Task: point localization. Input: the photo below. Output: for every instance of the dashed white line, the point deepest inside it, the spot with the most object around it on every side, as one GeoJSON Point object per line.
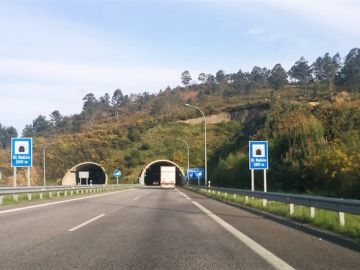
{"type": "Point", "coordinates": [254, 246]}
{"type": "Point", "coordinates": [138, 197]}
{"type": "Point", "coordinates": [86, 223]}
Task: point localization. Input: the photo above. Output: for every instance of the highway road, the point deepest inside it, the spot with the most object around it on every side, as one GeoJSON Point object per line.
{"type": "Point", "coordinates": [151, 228]}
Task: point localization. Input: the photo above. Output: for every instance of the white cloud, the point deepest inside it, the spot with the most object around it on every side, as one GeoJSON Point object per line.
{"type": "Point", "coordinates": [41, 87]}
{"type": "Point", "coordinates": [147, 78]}
{"type": "Point", "coordinates": [342, 15]}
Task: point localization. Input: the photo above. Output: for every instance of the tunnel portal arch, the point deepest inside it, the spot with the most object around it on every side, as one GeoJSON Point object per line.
{"type": "Point", "coordinates": [97, 174]}
{"type": "Point", "coordinates": [150, 175]}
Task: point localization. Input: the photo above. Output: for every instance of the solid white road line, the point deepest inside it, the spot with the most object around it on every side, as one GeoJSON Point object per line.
{"type": "Point", "coordinates": [59, 202]}
{"type": "Point", "coordinates": [86, 223]}
{"type": "Point", "coordinates": [254, 246]}
{"type": "Point", "coordinates": [138, 197]}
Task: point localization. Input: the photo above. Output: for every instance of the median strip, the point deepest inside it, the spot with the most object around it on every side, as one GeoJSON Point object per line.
{"type": "Point", "coordinates": [86, 223]}
{"type": "Point", "coordinates": [59, 202]}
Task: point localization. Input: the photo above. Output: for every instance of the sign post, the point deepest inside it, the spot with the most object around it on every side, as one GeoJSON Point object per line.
{"type": "Point", "coordinates": [21, 156]}
{"type": "Point", "coordinates": [258, 160]}
{"type": "Point", "coordinates": [199, 174]}
{"type": "Point", "coordinates": [117, 174]}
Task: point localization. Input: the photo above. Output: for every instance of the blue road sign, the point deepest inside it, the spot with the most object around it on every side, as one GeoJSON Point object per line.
{"type": "Point", "coordinates": [258, 155]}
{"type": "Point", "coordinates": [117, 173]}
{"type": "Point", "coordinates": [195, 173]}
{"type": "Point", "coordinates": [21, 152]}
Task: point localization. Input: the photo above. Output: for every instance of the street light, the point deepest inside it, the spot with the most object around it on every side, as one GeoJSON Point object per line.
{"type": "Point", "coordinates": [188, 157]}
{"type": "Point", "coordinates": [205, 150]}
{"type": "Point", "coordinates": [44, 161]}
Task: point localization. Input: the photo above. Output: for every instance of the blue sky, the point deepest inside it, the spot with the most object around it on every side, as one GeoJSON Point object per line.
{"type": "Point", "coordinates": [54, 52]}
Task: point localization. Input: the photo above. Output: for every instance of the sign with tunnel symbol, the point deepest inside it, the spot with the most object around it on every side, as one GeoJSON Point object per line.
{"type": "Point", "coordinates": [258, 155]}
{"type": "Point", "coordinates": [21, 152]}
{"type": "Point", "coordinates": [117, 173]}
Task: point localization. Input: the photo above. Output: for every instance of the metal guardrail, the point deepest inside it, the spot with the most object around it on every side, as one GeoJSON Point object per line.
{"type": "Point", "coordinates": [333, 204]}
{"type": "Point", "coordinates": [6, 191]}
{"type": "Point", "coordinates": [37, 189]}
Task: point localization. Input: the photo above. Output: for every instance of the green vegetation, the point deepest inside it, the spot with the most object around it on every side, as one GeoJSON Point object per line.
{"type": "Point", "coordinates": [324, 219]}
{"type": "Point", "coordinates": [312, 123]}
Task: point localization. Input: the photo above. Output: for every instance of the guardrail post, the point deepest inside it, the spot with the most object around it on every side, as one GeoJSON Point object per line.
{"type": "Point", "coordinates": [264, 202]}
{"type": "Point", "coordinates": [312, 212]}
{"type": "Point", "coordinates": [65, 193]}
{"type": "Point", "coordinates": [291, 209]}
{"type": "Point", "coordinates": [234, 196]}
{"type": "Point", "coordinates": [77, 192]}
{"type": "Point", "coordinates": [50, 195]}
{"type": "Point", "coordinates": [1, 199]}
{"type": "Point", "coordinates": [29, 196]}
{"type": "Point", "coordinates": [246, 199]}
{"type": "Point", "coordinates": [41, 195]}
{"type": "Point", "coordinates": [58, 194]}
{"type": "Point", "coordinates": [342, 218]}
{"type": "Point", "coordinates": [71, 193]}
{"type": "Point", "coordinates": [15, 197]}
{"type": "Point", "coordinates": [225, 194]}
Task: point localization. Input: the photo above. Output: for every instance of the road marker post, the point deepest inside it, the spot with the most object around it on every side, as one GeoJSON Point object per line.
{"type": "Point", "coordinates": [312, 212]}
{"type": "Point", "coordinates": [342, 218]}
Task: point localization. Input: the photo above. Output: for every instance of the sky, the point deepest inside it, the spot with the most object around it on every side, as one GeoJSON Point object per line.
{"type": "Point", "coordinates": [54, 52]}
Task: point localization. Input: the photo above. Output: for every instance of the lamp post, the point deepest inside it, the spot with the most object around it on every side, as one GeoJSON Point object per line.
{"type": "Point", "coordinates": [205, 150]}
{"type": "Point", "coordinates": [44, 161]}
{"type": "Point", "coordinates": [188, 157]}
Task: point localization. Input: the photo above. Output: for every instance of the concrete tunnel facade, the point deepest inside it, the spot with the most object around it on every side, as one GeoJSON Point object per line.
{"type": "Point", "coordinates": [150, 175]}
{"type": "Point", "coordinates": [97, 174]}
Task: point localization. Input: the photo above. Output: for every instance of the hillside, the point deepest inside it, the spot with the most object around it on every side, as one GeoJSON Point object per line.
{"type": "Point", "coordinates": [312, 125]}
{"type": "Point", "coordinates": [314, 147]}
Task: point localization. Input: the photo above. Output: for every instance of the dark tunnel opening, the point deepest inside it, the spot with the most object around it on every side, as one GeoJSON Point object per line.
{"type": "Point", "coordinates": [153, 176]}
{"type": "Point", "coordinates": [96, 174]}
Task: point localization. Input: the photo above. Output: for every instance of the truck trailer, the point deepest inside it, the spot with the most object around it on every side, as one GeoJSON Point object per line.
{"type": "Point", "coordinates": [168, 176]}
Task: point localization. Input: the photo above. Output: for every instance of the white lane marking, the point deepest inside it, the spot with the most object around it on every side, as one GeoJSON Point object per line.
{"type": "Point", "coordinates": [86, 223]}
{"type": "Point", "coordinates": [186, 196]}
{"type": "Point", "coordinates": [59, 202]}
{"type": "Point", "coordinates": [254, 246]}
{"type": "Point", "coordinates": [138, 197]}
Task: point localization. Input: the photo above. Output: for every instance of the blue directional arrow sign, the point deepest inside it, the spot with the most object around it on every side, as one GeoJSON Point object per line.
{"type": "Point", "coordinates": [258, 155]}
{"type": "Point", "coordinates": [117, 173]}
{"type": "Point", "coordinates": [21, 152]}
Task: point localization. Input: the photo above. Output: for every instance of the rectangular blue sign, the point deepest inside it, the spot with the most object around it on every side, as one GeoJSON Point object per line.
{"type": "Point", "coordinates": [258, 155]}
{"type": "Point", "coordinates": [21, 152]}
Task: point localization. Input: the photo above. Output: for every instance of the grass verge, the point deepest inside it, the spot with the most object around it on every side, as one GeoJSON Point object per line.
{"type": "Point", "coordinates": [323, 219]}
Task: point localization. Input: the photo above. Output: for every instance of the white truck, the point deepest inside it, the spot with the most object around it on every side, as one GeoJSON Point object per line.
{"type": "Point", "coordinates": [168, 176]}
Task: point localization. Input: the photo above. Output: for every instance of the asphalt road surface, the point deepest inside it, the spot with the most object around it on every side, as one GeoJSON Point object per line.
{"type": "Point", "coordinates": [157, 229]}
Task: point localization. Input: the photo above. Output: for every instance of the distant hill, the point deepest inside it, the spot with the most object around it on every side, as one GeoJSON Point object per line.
{"type": "Point", "coordinates": [312, 126]}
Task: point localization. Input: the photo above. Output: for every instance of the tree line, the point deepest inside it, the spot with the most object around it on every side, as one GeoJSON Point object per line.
{"type": "Point", "coordinates": [6, 133]}
{"type": "Point", "coordinates": [327, 73]}
{"type": "Point", "coordinates": [93, 108]}
{"type": "Point", "coordinates": [327, 70]}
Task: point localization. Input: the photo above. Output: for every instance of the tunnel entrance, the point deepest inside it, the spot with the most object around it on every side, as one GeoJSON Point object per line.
{"type": "Point", "coordinates": [151, 175]}
{"type": "Point", "coordinates": [96, 173]}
